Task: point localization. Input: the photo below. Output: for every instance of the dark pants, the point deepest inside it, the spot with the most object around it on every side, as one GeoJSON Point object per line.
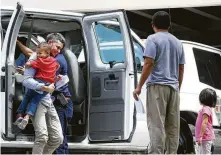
{"type": "Point", "coordinates": [65, 115]}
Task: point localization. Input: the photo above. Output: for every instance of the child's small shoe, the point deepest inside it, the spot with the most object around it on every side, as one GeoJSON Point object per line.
{"type": "Point", "coordinates": [23, 123]}
{"type": "Point", "coordinates": [19, 118]}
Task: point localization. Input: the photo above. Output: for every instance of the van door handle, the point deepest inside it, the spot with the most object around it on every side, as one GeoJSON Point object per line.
{"type": "Point", "coordinates": [131, 74]}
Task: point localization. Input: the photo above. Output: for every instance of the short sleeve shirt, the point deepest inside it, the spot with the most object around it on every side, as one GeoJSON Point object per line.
{"type": "Point", "coordinates": [209, 133]}
{"type": "Point", "coordinates": [167, 52]}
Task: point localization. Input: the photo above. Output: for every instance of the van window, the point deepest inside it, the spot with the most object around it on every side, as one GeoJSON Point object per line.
{"type": "Point", "coordinates": [110, 40]}
{"type": "Point", "coordinates": [208, 67]}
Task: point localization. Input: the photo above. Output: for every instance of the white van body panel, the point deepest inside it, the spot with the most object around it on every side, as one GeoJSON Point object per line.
{"type": "Point", "coordinates": [191, 87]}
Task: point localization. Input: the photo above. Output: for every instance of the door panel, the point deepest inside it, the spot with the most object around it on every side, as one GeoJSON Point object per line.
{"type": "Point", "coordinates": [7, 62]}
{"type": "Point", "coordinates": [111, 75]}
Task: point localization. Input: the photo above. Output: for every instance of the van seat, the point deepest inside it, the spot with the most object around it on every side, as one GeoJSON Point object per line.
{"type": "Point", "coordinates": [77, 85]}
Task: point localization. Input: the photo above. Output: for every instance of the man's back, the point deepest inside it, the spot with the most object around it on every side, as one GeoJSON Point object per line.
{"type": "Point", "coordinates": [167, 51]}
{"type": "Point", "coordinates": [162, 66]}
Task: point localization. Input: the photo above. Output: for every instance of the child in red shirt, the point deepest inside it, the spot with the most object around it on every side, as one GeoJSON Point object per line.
{"type": "Point", "coordinates": [46, 67]}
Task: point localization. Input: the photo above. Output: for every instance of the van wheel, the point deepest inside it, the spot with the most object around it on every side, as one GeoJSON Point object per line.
{"type": "Point", "coordinates": [185, 139]}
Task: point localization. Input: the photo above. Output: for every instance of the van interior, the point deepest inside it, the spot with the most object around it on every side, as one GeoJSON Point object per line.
{"type": "Point", "coordinates": [34, 28]}
{"type": "Point", "coordinates": [32, 31]}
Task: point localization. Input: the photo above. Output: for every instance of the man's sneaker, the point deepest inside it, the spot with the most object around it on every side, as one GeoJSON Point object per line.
{"type": "Point", "coordinates": [19, 118]}
{"type": "Point", "coordinates": [23, 123]}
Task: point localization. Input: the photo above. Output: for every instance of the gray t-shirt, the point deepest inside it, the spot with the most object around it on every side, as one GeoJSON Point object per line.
{"type": "Point", "coordinates": [167, 52]}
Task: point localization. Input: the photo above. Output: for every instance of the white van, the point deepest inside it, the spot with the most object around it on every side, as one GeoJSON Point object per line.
{"type": "Point", "coordinates": [104, 61]}
{"type": "Point", "coordinates": [105, 115]}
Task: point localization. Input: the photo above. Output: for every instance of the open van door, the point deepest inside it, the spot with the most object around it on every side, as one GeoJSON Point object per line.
{"type": "Point", "coordinates": [7, 68]}
{"type": "Point", "coordinates": [112, 77]}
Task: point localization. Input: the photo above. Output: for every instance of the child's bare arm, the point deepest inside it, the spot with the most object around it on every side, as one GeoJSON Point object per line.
{"type": "Point", "coordinates": [28, 64]}
{"type": "Point", "coordinates": [204, 125]}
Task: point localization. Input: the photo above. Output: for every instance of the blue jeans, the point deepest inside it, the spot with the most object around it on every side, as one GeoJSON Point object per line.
{"type": "Point", "coordinates": [33, 98]}
{"type": "Point", "coordinates": [65, 114]}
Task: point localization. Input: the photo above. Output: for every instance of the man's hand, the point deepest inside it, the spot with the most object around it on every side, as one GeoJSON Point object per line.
{"type": "Point", "coordinates": [49, 88]}
{"type": "Point", "coordinates": [59, 77]}
{"type": "Point", "coordinates": [136, 93]}
{"type": "Point", "coordinates": [20, 70]}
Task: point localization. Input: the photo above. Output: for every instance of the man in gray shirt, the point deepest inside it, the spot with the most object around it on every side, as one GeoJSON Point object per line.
{"type": "Point", "coordinates": [163, 68]}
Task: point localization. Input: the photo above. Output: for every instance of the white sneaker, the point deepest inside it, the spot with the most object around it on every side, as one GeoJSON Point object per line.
{"type": "Point", "coordinates": [18, 120]}
{"type": "Point", "coordinates": [23, 123]}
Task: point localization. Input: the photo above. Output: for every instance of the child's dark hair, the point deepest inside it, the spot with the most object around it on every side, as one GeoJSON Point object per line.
{"type": "Point", "coordinates": [45, 46]}
{"type": "Point", "coordinates": [208, 97]}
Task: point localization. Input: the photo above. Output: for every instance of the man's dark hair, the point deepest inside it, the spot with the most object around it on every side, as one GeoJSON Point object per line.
{"type": "Point", "coordinates": [161, 20]}
{"type": "Point", "coordinates": [56, 37]}
{"type": "Point", "coordinates": [208, 97]}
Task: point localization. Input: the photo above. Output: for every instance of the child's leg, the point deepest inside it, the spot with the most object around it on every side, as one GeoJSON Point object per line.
{"type": "Point", "coordinates": [36, 98]}
{"type": "Point", "coordinates": [31, 109]}
{"type": "Point", "coordinates": [205, 147]}
{"type": "Point", "coordinates": [22, 107]}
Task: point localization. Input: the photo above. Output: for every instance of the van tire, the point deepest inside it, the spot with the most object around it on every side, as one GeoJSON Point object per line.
{"type": "Point", "coordinates": [186, 145]}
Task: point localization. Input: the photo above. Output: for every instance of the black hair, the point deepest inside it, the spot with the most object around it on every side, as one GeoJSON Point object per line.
{"type": "Point", "coordinates": [161, 20]}
{"type": "Point", "coordinates": [45, 46]}
{"type": "Point", "coordinates": [56, 37]}
{"type": "Point", "coordinates": [208, 97]}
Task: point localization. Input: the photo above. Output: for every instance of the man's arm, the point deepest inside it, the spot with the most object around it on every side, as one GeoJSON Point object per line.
{"type": "Point", "coordinates": [31, 83]}
{"type": "Point", "coordinates": [181, 72]}
{"type": "Point", "coordinates": [150, 56]}
{"type": "Point", "coordinates": [63, 65]}
{"type": "Point", "coordinates": [147, 69]}
{"type": "Point", "coordinates": [26, 51]}
{"type": "Point", "coordinates": [181, 66]}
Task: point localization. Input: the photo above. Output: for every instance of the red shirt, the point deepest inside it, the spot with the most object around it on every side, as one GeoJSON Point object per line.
{"type": "Point", "coordinates": [45, 69]}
